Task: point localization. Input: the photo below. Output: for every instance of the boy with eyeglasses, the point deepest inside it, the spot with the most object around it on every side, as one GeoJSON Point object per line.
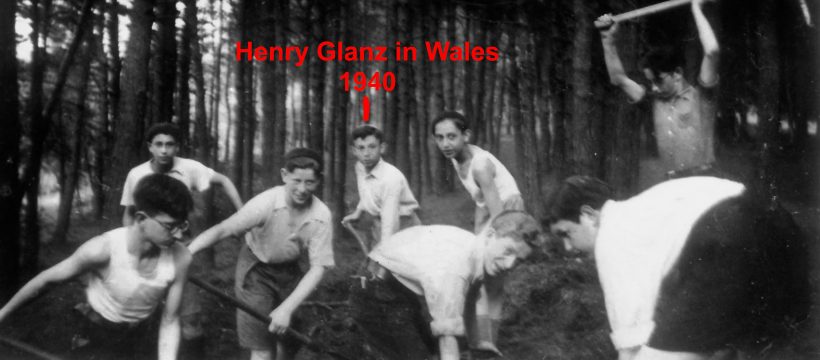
{"type": "Point", "coordinates": [163, 143]}
{"type": "Point", "coordinates": [128, 272]}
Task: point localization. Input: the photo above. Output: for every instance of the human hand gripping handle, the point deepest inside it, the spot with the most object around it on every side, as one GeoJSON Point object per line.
{"type": "Point", "coordinates": [280, 320]}
{"type": "Point", "coordinates": [651, 9]}
{"type": "Point", "coordinates": [607, 26]}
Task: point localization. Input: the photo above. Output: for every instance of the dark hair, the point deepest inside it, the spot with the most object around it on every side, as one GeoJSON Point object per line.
{"type": "Point", "coordinates": [364, 131]}
{"type": "Point", "coordinates": [164, 128]}
{"type": "Point", "coordinates": [458, 120]}
{"type": "Point", "coordinates": [565, 201]}
{"type": "Point", "coordinates": [518, 225]}
{"type": "Point", "coordinates": [157, 193]}
{"type": "Point", "coordinates": [662, 59]}
{"type": "Point", "coordinates": [304, 158]}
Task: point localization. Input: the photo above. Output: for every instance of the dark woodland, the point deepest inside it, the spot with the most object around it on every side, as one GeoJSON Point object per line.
{"type": "Point", "coordinates": [75, 106]}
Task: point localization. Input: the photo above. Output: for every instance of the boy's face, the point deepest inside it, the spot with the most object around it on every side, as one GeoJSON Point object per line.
{"type": "Point", "coordinates": [162, 229]}
{"type": "Point", "coordinates": [577, 235]}
{"type": "Point", "coordinates": [300, 185]}
{"type": "Point", "coordinates": [450, 139]}
{"type": "Point", "coordinates": [368, 150]}
{"type": "Point", "coordinates": [163, 148]}
{"type": "Point", "coordinates": [663, 83]}
{"type": "Point", "coordinates": [503, 254]}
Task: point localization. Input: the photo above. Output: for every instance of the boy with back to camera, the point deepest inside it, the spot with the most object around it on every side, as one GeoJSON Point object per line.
{"type": "Point", "coordinates": [694, 268]}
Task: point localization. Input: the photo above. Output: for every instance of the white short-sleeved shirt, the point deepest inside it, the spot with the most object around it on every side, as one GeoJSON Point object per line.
{"type": "Point", "coordinates": [439, 262]}
{"type": "Point", "coordinates": [638, 242]}
{"type": "Point", "coordinates": [280, 234]}
{"type": "Point", "coordinates": [192, 173]}
{"type": "Point", "coordinates": [384, 181]}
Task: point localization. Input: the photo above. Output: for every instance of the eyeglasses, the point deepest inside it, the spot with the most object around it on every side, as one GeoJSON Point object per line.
{"type": "Point", "coordinates": [172, 228]}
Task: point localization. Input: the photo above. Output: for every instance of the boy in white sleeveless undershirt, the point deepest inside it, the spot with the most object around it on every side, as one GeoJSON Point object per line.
{"type": "Point", "coordinates": [488, 181]}
{"type": "Point", "coordinates": [129, 272]}
{"type": "Point", "coordinates": [493, 189]}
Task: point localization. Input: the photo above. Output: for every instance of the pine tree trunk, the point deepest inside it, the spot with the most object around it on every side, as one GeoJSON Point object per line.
{"type": "Point", "coordinates": [768, 89]}
{"type": "Point", "coordinates": [188, 40]}
{"type": "Point", "coordinates": [129, 133]}
{"type": "Point", "coordinates": [317, 82]}
{"type": "Point", "coordinates": [10, 189]}
{"type": "Point", "coordinates": [165, 75]}
{"type": "Point", "coordinates": [404, 96]}
{"type": "Point", "coordinates": [40, 131]}
{"type": "Point", "coordinates": [99, 138]}
{"type": "Point", "coordinates": [69, 184]}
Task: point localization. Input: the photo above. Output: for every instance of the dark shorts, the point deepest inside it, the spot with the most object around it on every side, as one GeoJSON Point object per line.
{"type": "Point", "coordinates": [94, 337]}
{"type": "Point", "coordinates": [392, 319]}
{"type": "Point", "coordinates": [741, 281]}
{"type": "Point", "coordinates": [263, 287]}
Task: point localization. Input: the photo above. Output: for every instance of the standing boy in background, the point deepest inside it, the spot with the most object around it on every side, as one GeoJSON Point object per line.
{"type": "Point", "coordinates": [385, 199]}
{"type": "Point", "coordinates": [494, 190]}
{"type": "Point", "coordinates": [163, 141]}
{"type": "Point", "coordinates": [683, 114]}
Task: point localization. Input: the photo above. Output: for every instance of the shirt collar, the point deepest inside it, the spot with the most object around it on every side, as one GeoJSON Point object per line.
{"type": "Point", "coordinates": [376, 172]}
{"type": "Point", "coordinates": [280, 200]}
{"type": "Point", "coordinates": [174, 168]}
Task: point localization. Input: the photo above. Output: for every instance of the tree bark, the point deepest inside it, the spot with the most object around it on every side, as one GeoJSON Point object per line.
{"type": "Point", "coordinates": [317, 81]}
{"type": "Point", "coordinates": [96, 173]}
{"type": "Point", "coordinates": [189, 40]}
{"type": "Point", "coordinates": [128, 138]}
{"type": "Point", "coordinates": [164, 79]}
{"type": "Point", "coordinates": [10, 189]}
{"type": "Point", "coordinates": [31, 175]}
{"type": "Point", "coordinates": [69, 184]}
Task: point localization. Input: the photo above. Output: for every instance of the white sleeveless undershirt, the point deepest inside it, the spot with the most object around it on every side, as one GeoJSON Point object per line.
{"type": "Point", "coordinates": [125, 296]}
{"type": "Point", "coordinates": [503, 180]}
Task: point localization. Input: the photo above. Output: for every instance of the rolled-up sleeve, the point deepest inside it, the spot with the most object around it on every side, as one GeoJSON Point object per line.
{"type": "Point", "coordinates": [249, 216]}
{"type": "Point", "coordinates": [445, 296]}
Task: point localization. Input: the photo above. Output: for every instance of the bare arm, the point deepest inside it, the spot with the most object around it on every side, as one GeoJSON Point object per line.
{"type": "Point", "coordinates": [169, 328]}
{"type": "Point", "coordinates": [208, 238]}
{"type": "Point", "coordinates": [94, 253]}
{"type": "Point", "coordinates": [711, 49]}
{"type": "Point", "coordinates": [128, 215]}
{"type": "Point", "coordinates": [628, 353]}
{"type": "Point", "coordinates": [448, 347]}
{"type": "Point", "coordinates": [614, 66]}
{"type": "Point", "coordinates": [229, 187]}
{"type": "Point", "coordinates": [280, 317]}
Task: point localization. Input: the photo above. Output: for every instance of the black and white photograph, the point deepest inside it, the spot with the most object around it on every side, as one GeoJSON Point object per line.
{"type": "Point", "coordinates": [410, 179]}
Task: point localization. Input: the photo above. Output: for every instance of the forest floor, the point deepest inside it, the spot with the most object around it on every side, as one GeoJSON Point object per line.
{"type": "Point", "coordinates": [555, 308]}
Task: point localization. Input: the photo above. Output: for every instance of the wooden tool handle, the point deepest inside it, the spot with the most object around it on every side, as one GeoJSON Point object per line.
{"type": "Point", "coordinates": [648, 10]}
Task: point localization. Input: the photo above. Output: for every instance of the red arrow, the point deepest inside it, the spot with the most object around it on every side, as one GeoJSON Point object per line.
{"type": "Point", "coordinates": [366, 108]}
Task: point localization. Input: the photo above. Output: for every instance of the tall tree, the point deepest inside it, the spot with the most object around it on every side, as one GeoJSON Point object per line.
{"type": "Point", "coordinates": [10, 189]}
{"type": "Point", "coordinates": [317, 78]}
{"type": "Point", "coordinates": [165, 70]}
{"type": "Point", "coordinates": [188, 41]}
{"type": "Point", "coordinates": [69, 184]}
{"type": "Point", "coordinates": [39, 132]}
{"type": "Point", "coordinates": [133, 105]}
